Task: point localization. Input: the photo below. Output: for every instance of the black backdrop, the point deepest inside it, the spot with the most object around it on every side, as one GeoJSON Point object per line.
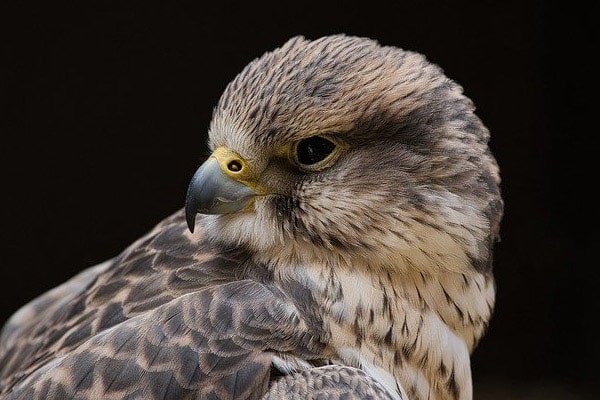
{"type": "Point", "coordinates": [105, 106]}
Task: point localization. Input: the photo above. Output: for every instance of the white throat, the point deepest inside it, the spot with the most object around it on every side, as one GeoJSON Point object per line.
{"type": "Point", "coordinates": [412, 333]}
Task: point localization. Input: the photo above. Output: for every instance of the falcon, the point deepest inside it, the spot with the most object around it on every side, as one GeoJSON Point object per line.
{"type": "Point", "coordinates": [337, 243]}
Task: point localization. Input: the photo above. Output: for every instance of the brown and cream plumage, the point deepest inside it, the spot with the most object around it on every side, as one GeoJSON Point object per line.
{"type": "Point", "coordinates": [349, 213]}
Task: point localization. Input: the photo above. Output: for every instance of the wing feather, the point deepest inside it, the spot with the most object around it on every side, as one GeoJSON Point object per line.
{"type": "Point", "coordinates": [196, 343]}
{"type": "Point", "coordinates": [172, 317]}
{"type": "Point", "coordinates": [331, 382]}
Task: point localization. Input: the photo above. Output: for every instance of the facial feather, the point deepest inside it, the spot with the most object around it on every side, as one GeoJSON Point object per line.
{"type": "Point", "coordinates": [399, 190]}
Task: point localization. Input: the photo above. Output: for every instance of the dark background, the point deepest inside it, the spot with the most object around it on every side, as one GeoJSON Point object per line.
{"type": "Point", "coordinates": [105, 106]}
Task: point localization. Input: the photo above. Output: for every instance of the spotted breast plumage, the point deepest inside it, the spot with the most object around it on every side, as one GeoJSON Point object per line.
{"type": "Point", "coordinates": [337, 243]}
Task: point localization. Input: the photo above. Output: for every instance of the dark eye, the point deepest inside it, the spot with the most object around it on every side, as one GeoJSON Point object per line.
{"type": "Point", "coordinates": [312, 151]}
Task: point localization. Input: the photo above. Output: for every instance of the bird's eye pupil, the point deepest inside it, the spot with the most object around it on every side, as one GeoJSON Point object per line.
{"type": "Point", "coordinates": [312, 150]}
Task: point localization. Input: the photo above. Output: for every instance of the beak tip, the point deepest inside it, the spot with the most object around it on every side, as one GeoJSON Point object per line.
{"type": "Point", "coordinates": [190, 212]}
{"type": "Point", "coordinates": [191, 221]}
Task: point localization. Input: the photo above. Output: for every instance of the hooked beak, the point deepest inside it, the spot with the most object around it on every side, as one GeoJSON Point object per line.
{"type": "Point", "coordinates": [219, 186]}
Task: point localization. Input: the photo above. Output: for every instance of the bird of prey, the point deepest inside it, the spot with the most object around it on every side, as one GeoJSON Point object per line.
{"type": "Point", "coordinates": [337, 243]}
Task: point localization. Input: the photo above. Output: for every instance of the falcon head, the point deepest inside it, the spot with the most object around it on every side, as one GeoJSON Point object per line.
{"type": "Point", "coordinates": [345, 151]}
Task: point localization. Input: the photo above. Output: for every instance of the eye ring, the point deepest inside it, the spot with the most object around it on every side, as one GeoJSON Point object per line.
{"type": "Point", "coordinates": [314, 153]}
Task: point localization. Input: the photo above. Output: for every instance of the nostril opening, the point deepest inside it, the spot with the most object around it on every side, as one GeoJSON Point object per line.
{"type": "Point", "coordinates": [234, 166]}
